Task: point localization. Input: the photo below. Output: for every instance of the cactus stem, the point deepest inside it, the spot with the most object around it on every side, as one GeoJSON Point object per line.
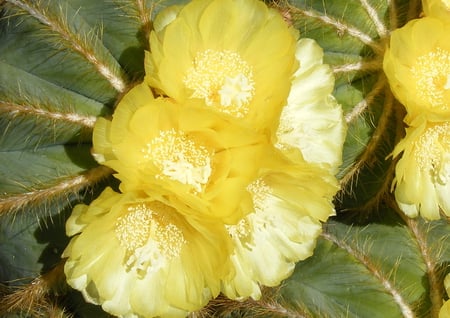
{"type": "Point", "coordinates": [384, 278]}
{"type": "Point", "coordinates": [362, 66]}
{"type": "Point", "coordinates": [367, 156]}
{"type": "Point", "coordinates": [367, 101]}
{"type": "Point", "coordinates": [434, 275]}
{"type": "Point", "coordinates": [137, 10]}
{"type": "Point", "coordinates": [341, 28]}
{"type": "Point", "coordinates": [32, 298]}
{"type": "Point", "coordinates": [75, 40]}
{"type": "Point", "coordinates": [385, 186]}
{"type": "Point", "coordinates": [266, 306]}
{"type": "Point", "coordinates": [67, 186]}
{"type": "Point", "coordinates": [372, 12]}
{"type": "Point", "coordinates": [144, 17]}
{"type": "Point", "coordinates": [13, 109]}
{"type": "Point", "coordinates": [415, 7]}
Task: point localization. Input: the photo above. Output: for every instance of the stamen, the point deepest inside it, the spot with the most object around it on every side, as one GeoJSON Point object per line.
{"type": "Point", "coordinates": [260, 192]}
{"type": "Point", "coordinates": [432, 152]}
{"type": "Point", "coordinates": [180, 158]}
{"type": "Point", "coordinates": [257, 220]}
{"type": "Point", "coordinates": [432, 75]}
{"type": "Point", "coordinates": [223, 79]}
{"type": "Point", "coordinates": [150, 235]}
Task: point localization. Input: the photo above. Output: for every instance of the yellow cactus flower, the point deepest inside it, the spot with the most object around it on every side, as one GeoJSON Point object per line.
{"type": "Point", "coordinates": [417, 65]}
{"type": "Point", "coordinates": [422, 175]}
{"type": "Point", "coordinates": [312, 120]}
{"type": "Point", "coordinates": [236, 56]}
{"type": "Point", "coordinates": [192, 155]}
{"type": "Point", "coordinates": [139, 257]}
{"type": "Point", "coordinates": [437, 8]}
{"type": "Point", "coordinates": [282, 227]}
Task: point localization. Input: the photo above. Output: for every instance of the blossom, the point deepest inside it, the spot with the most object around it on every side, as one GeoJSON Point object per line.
{"type": "Point", "coordinates": [417, 65]}
{"type": "Point", "coordinates": [422, 175]}
{"type": "Point", "coordinates": [437, 8]}
{"type": "Point", "coordinates": [235, 56]}
{"type": "Point", "coordinates": [139, 257]}
{"type": "Point", "coordinates": [282, 226]}
{"type": "Point", "coordinates": [188, 154]}
{"type": "Point", "coordinates": [312, 121]}
{"type": "Point", "coordinates": [239, 149]}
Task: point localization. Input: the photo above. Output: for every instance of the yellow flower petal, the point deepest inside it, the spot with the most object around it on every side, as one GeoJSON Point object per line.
{"type": "Point", "coordinates": [417, 65]}
{"type": "Point", "coordinates": [139, 257]}
{"type": "Point", "coordinates": [189, 154]}
{"type": "Point", "coordinates": [445, 310]}
{"type": "Point", "coordinates": [312, 120]}
{"type": "Point", "coordinates": [437, 8]}
{"type": "Point", "coordinates": [282, 227]}
{"type": "Point", "coordinates": [422, 175]}
{"type": "Point", "coordinates": [216, 51]}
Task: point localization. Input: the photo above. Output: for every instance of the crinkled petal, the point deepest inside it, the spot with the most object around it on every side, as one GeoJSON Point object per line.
{"type": "Point", "coordinates": [141, 258]}
{"type": "Point", "coordinates": [417, 65]}
{"type": "Point", "coordinates": [437, 8]}
{"type": "Point", "coordinates": [190, 154]}
{"type": "Point", "coordinates": [210, 44]}
{"type": "Point", "coordinates": [282, 227]}
{"type": "Point", "coordinates": [312, 121]}
{"type": "Point", "coordinates": [422, 175]}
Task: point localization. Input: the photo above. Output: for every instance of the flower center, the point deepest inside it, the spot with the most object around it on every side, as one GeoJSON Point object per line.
{"type": "Point", "coordinates": [432, 152]}
{"type": "Point", "coordinates": [432, 75]}
{"type": "Point", "coordinates": [150, 236]}
{"type": "Point", "coordinates": [180, 158]}
{"type": "Point", "coordinates": [223, 80]}
{"type": "Point", "coordinates": [260, 192]}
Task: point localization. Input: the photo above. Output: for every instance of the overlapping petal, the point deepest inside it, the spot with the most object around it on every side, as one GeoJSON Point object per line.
{"type": "Point", "coordinates": [238, 153]}
{"type": "Point", "coordinates": [187, 154]}
{"type": "Point", "coordinates": [226, 53]}
{"type": "Point", "coordinates": [312, 121]}
{"type": "Point", "coordinates": [281, 228]}
{"type": "Point", "coordinates": [139, 257]}
{"type": "Point", "coordinates": [422, 175]}
{"type": "Point", "coordinates": [417, 64]}
{"type": "Point", "coordinates": [437, 8]}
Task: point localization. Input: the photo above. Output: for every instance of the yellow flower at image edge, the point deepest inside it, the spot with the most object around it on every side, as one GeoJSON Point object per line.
{"type": "Point", "coordinates": [236, 56]}
{"type": "Point", "coordinates": [417, 65]}
{"type": "Point", "coordinates": [138, 257]}
{"type": "Point", "coordinates": [188, 154]}
{"type": "Point", "coordinates": [422, 175]}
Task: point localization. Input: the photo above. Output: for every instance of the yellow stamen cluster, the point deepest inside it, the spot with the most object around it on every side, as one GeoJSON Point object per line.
{"type": "Point", "coordinates": [432, 76]}
{"type": "Point", "coordinates": [180, 158]}
{"type": "Point", "coordinates": [149, 235]}
{"type": "Point", "coordinates": [223, 79]}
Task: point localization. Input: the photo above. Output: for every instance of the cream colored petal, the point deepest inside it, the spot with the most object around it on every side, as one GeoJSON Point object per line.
{"type": "Point", "coordinates": [312, 121]}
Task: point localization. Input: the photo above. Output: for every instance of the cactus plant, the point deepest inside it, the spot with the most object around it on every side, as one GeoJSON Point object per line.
{"type": "Point", "coordinates": [65, 63]}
